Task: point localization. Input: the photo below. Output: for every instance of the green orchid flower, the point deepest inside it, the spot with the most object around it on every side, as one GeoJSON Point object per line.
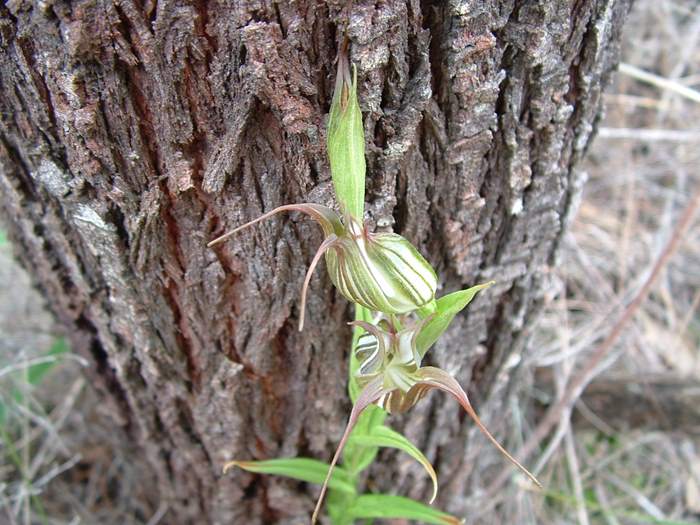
{"type": "Point", "coordinates": [391, 376]}
{"type": "Point", "coordinates": [385, 274]}
{"type": "Point", "coordinates": [380, 271]}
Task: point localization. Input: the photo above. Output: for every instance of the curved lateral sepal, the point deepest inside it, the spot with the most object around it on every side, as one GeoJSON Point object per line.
{"type": "Point", "coordinates": [325, 217]}
{"type": "Point", "coordinates": [373, 391]}
{"type": "Point", "coordinates": [433, 377]}
{"type": "Point", "coordinates": [325, 245]}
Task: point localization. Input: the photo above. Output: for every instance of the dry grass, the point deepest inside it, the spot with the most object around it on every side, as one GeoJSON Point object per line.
{"type": "Point", "coordinates": [644, 170]}
{"type": "Point", "coordinates": [60, 459]}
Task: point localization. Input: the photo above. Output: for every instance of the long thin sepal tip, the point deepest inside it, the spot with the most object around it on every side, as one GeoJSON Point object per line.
{"type": "Point", "coordinates": [367, 396]}
{"type": "Point", "coordinates": [228, 466]}
{"type": "Point", "coordinates": [327, 243]}
{"type": "Point", "coordinates": [310, 209]}
{"type": "Point", "coordinates": [442, 380]}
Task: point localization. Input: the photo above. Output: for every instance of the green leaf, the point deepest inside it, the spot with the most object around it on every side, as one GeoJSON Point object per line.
{"type": "Point", "coordinates": [358, 456]}
{"type": "Point", "coordinates": [336, 503]}
{"type": "Point", "coordinates": [346, 141]}
{"type": "Point", "coordinates": [36, 373]}
{"type": "Point", "coordinates": [386, 506]}
{"type": "Point", "coordinates": [385, 437]}
{"type": "Point", "coordinates": [303, 469]}
{"type": "Point", "coordinates": [427, 309]}
{"type": "Point", "coordinates": [448, 306]}
{"type": "Point", "coordinates": [3, 413]}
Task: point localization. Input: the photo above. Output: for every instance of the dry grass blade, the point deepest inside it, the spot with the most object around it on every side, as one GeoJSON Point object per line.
{"type": "Point", "coordinates": [670, 135]}
{"type": "Point", "coordinates": [644, 502]}
{"type": "Point", "coordinates": [574, 470]}
{"type": "Point", "coordinates": [660, 82]}
{"type": "Point", "coordinates": [562, 408]}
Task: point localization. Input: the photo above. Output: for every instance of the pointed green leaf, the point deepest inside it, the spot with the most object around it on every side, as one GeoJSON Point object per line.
{"type": "Point", "coordinates": [346, 140]}
{"type": "Point", "coordinates": [303, 469]}
{"type": "Point", "coordinates": [336, 503]}
{"type": "Point", "coordinates": [382, 436]}
{"type": "Point", "coordinates": [386, 506]}
{"type": "Point", "coordinates": [448, 306]}
{"type": "Point", "coordinates": [36, 373]}
{"type": "Point", "coordinates": [359, 456]}
{"type": "Point", "coordinates": [428, 308]}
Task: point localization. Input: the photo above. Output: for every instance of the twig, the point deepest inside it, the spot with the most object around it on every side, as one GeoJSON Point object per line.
{"type": "Point", "coordinates": [690, 40]}
{"type": "Point", "coordinates": [641, 500]}
{"type": "Point", "coordinates": [565, 417]}
{"type": "Point", "coordinates": [649, 134]}
{"type": "Point", "coordinates": [650, 440]}
{"type": "Point", "coordinates": [689, 316]}
{"type": "Point", "coordinates": [59, 416]}
{"type": "Point", "coordinates": [576, 386]}
{"type": "Point", "coordinates": [23, 365]}
{"type": "Point", "coordinates": [6, 505]}
{"type": "Point", "coordinates": [597, 422]}
{"type": "Point", "coordinates": [605, 505]}
{"type": "Point", "coordinates": [660, 82]}
{"type": "Point", "coordinates": [57, 470]}
{"type": "Point", "coordinates": [632, 100]}
{"type": "Point", "coordinates": [575, 472]}
{"type": "Point", "coordinates": [155, 519]}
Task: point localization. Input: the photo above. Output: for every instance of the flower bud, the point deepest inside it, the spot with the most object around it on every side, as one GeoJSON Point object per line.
{"type": "Point", "coordinates": [380, 271]}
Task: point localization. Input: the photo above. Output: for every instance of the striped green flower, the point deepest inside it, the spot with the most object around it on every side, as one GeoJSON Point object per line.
{"type": "Point", "coordinates": [380, 271]}
{"type": "Point", "coordinates": [391, 376]}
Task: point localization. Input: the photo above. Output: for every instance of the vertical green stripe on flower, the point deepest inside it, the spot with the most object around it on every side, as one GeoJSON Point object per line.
{"type": "Point", "coordinates": [418, 277]}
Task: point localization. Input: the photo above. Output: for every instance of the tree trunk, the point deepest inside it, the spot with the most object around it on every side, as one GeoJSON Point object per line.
{"type": "Point", "coordinates": [134, 131]}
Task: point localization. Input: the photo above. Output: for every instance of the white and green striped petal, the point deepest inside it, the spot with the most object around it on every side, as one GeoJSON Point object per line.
{"type": "Point", "coordinates": [382, 272]}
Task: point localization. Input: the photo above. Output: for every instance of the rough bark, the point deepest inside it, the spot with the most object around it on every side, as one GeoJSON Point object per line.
{"type": "Point", "coordinates": [134, 131]}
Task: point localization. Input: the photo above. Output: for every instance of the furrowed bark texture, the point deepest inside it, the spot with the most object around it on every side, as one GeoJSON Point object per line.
{"type": "Point", "coordinates": [134, 132]}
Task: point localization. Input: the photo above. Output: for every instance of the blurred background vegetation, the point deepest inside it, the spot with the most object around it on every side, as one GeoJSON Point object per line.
{"type": "Point", "coordinates": [632, 452]}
